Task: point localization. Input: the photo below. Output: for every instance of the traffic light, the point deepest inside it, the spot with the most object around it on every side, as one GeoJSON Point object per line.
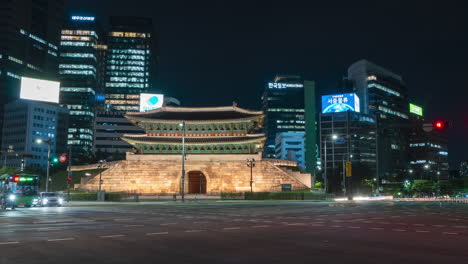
{"type": "Point", "coordinates": [55, 160]}
{"type": "Point", "coordinates": [440, 125]}
{"type": "Point", "coordinates": [69, 178]}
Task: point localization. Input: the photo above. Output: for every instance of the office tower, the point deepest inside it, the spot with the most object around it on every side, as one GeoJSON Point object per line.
{"type": "Point", "coordinates": [79, 69]}
{"type": "Point", "coordinates": [289, 106]}
{"type": "Point", "coordinates": [291, 146]}
{"type": "Point", "coordinates": [29, 40]}
{"type": "Point", "coordinates": [348, 136]}
{"type": "Point", "coordinates": [428, 149]}
{"type": "Point", "coordinates": [383, 94]}
{"type": "Point", "coordinates": [130, 62]}
{"type": "Point", "coordinates": [27, 121]}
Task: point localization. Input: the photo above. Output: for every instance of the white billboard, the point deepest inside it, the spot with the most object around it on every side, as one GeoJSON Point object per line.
{"type": "Point", "coordinates": [39, 90]}
{"type": "Point", "coordinates": [150, 102]}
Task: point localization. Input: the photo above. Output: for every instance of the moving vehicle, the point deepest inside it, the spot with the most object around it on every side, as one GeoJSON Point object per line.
{"type": "Point", "coordinates": [7, 200]}
{"type": "Point", "coordinates": [20, 189]}
{"type": "Point", "coordinates": [49, 199]}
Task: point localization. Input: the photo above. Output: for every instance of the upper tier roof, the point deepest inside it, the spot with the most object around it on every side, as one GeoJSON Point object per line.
{"type": "Point", "coordinates": [195, 113]}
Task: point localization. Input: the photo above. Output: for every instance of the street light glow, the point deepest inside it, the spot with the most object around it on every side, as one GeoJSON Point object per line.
{"type": "Point", "coordinates": [334, 136]}
{"type": "Point", "coordinates": [39, 141]}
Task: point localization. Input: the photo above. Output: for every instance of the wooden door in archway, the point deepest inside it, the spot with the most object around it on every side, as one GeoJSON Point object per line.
{"type": "Point", "coordinates": [197, 182]}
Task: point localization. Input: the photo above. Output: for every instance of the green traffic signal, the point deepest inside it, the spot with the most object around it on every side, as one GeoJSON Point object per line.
{"type": "Point", "coordinates": [55, 160]}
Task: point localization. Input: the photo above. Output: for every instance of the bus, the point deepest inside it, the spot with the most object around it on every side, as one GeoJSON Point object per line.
{"type": "Point", "coordinates": [24, 187]}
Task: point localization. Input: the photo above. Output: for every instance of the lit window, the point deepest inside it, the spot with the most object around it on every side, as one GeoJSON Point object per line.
{"type": "Point", "coordinates": [383, 88]}
{"type": "Point", "coordinates": [15, 60]}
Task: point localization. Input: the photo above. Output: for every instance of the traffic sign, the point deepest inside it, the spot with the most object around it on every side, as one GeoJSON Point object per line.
{"type": "Point", "coordinates": [349, 169]}
{"type": "Point", "coordinates": [63, 158]}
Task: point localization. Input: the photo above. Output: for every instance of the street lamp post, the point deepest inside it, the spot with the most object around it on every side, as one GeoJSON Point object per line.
{"type": "Point", "coordinates": [251, 164]}
{"type": "Point", "coordinates": [49, 144]}
{"type": "Point", "coordinates": [102, 163]}
{"type": "Point", "coordinates": [325, 178]}
{"type": "Point", "coordinates": [182, 187]}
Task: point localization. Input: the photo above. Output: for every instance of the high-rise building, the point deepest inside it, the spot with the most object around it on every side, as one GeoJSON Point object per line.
{"type": "Point", "coordinates": [29, 41]}
{"type": "Point", "coordinates": [27, 121]}
{"type": "Point", "coordinates": [348, 136]}
{"type": "Point", "coordinates": [383, 94]}
{"type": "Point", "coordinates": [428, 149]}
{"type": "Point", "coordinates": [289, 106]}
{"type": "Point", "coordinates": [291, 146]}
{"type": "Point", "coordinates": [130, 62]}
{"type": "Point", "coordinates": [79, 69]}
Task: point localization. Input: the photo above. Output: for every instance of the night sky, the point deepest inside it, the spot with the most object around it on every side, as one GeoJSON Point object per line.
{"type": "Point", "coordinates": [216, 52]}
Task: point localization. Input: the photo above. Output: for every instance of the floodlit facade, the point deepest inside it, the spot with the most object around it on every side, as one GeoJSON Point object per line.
{"type": "Point", "coordinates": [291, 146]}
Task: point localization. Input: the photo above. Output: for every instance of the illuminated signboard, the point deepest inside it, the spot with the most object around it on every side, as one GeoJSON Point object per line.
{"type": "Point", "coordinates": [417, 110]}
{"type": "Point", "coordinates": [150, 102]}
{"type": "Point", "coordinates": [83, 18]}
{"type": "Point", "coordinates": [275, 85]}
{"type": "Point", "coordinates": [39, 90]}
{"type": "Point", "coordinates": [340, 103]}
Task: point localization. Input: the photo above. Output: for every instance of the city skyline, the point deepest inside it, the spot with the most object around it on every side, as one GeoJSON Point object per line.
{"type": "Point", "coordinates": [248, 40]}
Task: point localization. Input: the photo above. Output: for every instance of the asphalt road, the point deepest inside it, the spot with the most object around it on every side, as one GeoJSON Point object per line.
{"type": "Point", "coordinates": [211, 232]}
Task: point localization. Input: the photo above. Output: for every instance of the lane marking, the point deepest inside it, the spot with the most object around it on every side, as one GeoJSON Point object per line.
{"type": "Point", "coordinates": [422, 231]}
{"type": "Point", "coordinates": [439, 225]}
{"type": "Point", "coordinates": [449, 233]}
{"type": "Point", "coordinates": [231, 228]}
{"type": "Point", "coordinates": [399, 230]}
{"type": "Point", "coordinates": [154, 234]}
{"type": "Point", "coordinates": [461, 226]}
{"type": "Point", "coordinates": [61, 239]}
{"type": "Point", "coordinates": [295, 224]}
{"type": "Point", "coordinates": [47, 229]}
{"type": "Point", "coordinates": [336, 226]}
{"type": "Point", "coordinates": [260, 226]}
{"type": "Point", "coordinates": [194, 231]}
{"type": "Point", "coordinates": [133, 225]}
{"type": "Point", "coordinates": [202, 222]}
{"type": "Point", "coordinates": [168, 224]}
{"type": "Point", "coordinates": [376, 228]}
{"type": "Point", "coordinates": [111, 236]}
{"type": "Point", "coordinates": [355, 227]}
{"type": "Point", "coordinates": [124, 219]}
{"type": "Point", "coordinates": [9, 243]}
{"type": "Point", "coordinates": [419, 224]}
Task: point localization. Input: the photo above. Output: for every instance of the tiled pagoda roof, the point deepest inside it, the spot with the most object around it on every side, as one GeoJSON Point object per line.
{"type": "Point", "coordinates": [194, 140]}
{"type": "Point", "coordinates": [195, 114]}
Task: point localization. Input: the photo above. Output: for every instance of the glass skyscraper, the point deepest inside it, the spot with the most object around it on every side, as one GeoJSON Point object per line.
{"type": "Point", "coordinates": [288, 104]}
{"type": "Point", "coordinates": [383, 94]}
{"type": "Point", "coordinates": [79, 71]}
{"type": "Point", "coordinates": [130, 62]}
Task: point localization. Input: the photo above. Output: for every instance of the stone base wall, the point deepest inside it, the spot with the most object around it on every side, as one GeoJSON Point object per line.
{"type": "Point", "coordinates": [164, 176]}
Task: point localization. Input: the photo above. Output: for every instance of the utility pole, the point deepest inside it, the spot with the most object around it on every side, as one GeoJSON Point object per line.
{"type": "Point", "coordinates": [69, 171]}
{"type": "Point", "coordinates": [182, 191]}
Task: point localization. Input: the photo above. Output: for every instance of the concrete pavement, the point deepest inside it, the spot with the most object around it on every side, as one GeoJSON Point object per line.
{"type": "Point", "coordinates": [255, 232]}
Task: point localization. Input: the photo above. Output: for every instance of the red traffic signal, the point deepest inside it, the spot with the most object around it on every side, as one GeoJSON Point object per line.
{"type": "Point", "coordinates": [440, 125]}
{"type": "Point", "coordinates": [69, 178]}
{"type": "Point", "coordinates": [63, 158]}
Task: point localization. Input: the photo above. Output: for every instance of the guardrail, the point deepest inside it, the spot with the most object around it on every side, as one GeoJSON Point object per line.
{"type": "Point", "coordinates": [446, 200]}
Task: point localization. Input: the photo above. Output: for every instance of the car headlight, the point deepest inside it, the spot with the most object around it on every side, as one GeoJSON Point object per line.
{"type": "Point", "coordinates": [12, 197]}
{"type": "Point", "coordinates": [60, 200]}
{"type": "Point", "coordinates": [45, 201]}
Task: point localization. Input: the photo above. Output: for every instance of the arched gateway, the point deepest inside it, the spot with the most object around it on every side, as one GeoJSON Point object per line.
{"type": "Point", "coordinates": [216, 140]}
{"type": "Point", "coordinates": [197, 182]}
